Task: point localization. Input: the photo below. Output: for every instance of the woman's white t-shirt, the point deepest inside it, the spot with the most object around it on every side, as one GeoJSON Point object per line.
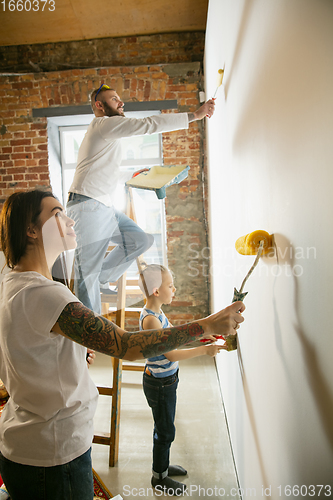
{"type": "Point", "coordinates": [48, 419]}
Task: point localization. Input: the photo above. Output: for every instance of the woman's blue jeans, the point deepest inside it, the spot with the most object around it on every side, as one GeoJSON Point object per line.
{"type": "Point", "coordinates": [161, 395]}
{"type": "Point", "coordinates": [71, 481]}
{"type": "Point", "coordinates": [96, 225]}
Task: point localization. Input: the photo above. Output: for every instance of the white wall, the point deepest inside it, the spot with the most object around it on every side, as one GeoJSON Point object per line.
{"type": "Point", "coordinates": [270, 146]}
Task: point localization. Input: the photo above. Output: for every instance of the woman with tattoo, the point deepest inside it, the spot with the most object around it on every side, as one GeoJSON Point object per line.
{"type": "Point", "coordinates": [46, 427]}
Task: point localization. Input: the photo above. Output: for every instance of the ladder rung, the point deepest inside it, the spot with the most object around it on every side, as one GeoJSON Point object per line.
{"type": "Point", "coordinates": [134, 368]}
{"type": "Point", "coordinates": [129, 282]}
{"type": "Point", "coordinates": [130, 313]}
{"type": "Point", "coordinates": [105, 391]}
{"type": "Point", "coordinates": [103, 438]}
{"type": "Point", "coordinates": [130, 291]}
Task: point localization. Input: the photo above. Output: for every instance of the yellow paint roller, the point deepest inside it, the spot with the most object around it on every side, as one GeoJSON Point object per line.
{"type": "Point", "coordinates": [255, 243]}
{"type": "Point", "coordinates": [219, 80]}
{"type": "Point", "coordinates": [249, 244]}
{"type": "Point", "coordinates": [220, 75]}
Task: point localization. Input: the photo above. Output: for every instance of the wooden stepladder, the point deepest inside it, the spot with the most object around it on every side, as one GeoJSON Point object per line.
{"type": "Point", "coordinates": [117, 314]}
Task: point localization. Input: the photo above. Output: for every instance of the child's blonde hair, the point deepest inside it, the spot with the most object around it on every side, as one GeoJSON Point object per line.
{"type": "Point", "coordinates": [151, 278]}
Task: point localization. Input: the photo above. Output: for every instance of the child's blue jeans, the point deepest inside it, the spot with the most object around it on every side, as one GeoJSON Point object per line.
{"type": "Point", "coordinates": [71, 481]}
{"type": "Point", "coordinates": [161, 395]}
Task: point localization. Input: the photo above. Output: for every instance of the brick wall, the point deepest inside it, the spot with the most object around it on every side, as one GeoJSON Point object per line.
{"type": "Point", "coordinates": [24, 156]}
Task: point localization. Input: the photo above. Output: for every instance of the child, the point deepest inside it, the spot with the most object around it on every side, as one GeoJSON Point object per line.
{"type": "Point", "coordinates": [160, 378]}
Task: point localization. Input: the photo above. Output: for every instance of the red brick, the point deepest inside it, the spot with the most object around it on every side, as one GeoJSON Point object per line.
{"type": "Point", "coordinates": [193, 102]}
{"type": "Point", "coordinates": [21, 156]}
{"type": "Point", "coordinates": [15, 170]}
{"type": "Point", "coordinates": [38, 126]}
{"type": "Point", "coordinates": [141, 69]}
{"type": "Point", "coordinates": [39, 140]}
{"type": "Point", "coordinates": [88, 72]}
{"type": "Point", "coordinates": [36, 169]}
{"type": "Point", "coordinates": [20, 142]}
{"type": "Point", "coordinates": [31, 177]}
{"type": "Point", "coordinates": [39, 154]}
{"type": "Point", "coordinates": [134, 84]}
{"type": "Point", "coordinates": [175, 234]}
{"type": "Point", "coordinates": [19, 135]}
{"type": "Point", "coordinates": [21, 185]}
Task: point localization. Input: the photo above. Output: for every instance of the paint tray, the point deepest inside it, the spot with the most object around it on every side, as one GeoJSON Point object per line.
{"type": "Point", "coordinates": [158, 178]}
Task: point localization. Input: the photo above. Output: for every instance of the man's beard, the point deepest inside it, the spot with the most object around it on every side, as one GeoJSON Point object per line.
{"type": "Point", "coordinates": [110, 111]}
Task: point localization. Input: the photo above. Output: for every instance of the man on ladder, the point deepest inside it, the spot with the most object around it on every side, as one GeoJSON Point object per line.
{"type": "Point", "coordinates": [90, 200]}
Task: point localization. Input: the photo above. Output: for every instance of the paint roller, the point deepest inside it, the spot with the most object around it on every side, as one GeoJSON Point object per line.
{"type": "Point", "coordinates": [256, 243]}
{"type": "Point", "coordinates": [249, 244]}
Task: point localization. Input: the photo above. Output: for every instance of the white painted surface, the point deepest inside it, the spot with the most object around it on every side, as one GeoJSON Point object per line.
{"type": "Point", "coordinates": [270, 146]}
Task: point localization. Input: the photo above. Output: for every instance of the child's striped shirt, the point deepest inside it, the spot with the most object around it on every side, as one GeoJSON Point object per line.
{"type": "Point", "coordinates": [159, 366]}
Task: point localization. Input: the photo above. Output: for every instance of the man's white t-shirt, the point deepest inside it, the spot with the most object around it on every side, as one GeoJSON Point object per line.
{"type": "Point", "coordinates": [100, 156]}
{"type": "Point", "coordinates": [48, 419]}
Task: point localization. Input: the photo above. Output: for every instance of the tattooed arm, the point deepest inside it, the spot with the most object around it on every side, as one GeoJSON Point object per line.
{"type": "Point", "coordinates": [83, 326]}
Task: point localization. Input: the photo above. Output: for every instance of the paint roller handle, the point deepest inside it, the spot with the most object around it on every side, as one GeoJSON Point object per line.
{"type": "Point", "coordinates": [212, 99]}
{"type": "Point", "coordinates": [225, 322]}
{"type": "Point", "coordinates": [207, 109]}
{"type": "Point", "coordinates": [140, 172]}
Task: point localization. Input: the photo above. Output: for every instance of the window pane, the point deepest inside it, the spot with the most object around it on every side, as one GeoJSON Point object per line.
{"type": "Point", "coordinates": [149, 211]}
{"type": "Point", "coordinates": [67, 179]}
{"type": "Point", "coordinates": [145, 146]}
{"type": "Point", "coordinates": [71, 142]}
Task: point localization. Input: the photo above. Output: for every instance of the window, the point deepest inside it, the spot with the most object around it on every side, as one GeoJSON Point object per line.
{"type": "Point", "coordinates": [138, 152]}
{"type": "Point", "coordinates": [70, 140]}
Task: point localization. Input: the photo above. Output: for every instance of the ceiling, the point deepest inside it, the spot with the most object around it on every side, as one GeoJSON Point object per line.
{"type": "Point", "coordinates": [65, 20]}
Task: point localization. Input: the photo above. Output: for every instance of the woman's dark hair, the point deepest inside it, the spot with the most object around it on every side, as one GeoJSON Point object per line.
{"type": "Point", "coordinates": [20, 210]}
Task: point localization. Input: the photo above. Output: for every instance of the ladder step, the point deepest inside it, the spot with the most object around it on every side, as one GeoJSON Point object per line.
{"type": "Point", "coordinates": [129, 282]}
{"type": "Point", "coordinates": [134, 368]}
{"type": "Point", "coordinates": [131, 291]}
{"type": "Point", "coordinates": [105, 391]}
{"type": "Point", "coordinates": [103, 438]}
{"type": "Point", "coordinates": [130, 312]}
